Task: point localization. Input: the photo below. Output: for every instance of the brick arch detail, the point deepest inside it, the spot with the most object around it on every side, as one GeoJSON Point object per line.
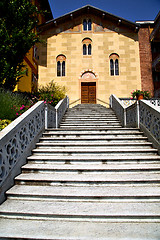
{"type": "Point", "coordinates": [88, 70]}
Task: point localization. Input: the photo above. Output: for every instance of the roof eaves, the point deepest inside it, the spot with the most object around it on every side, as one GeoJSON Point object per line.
{"type": "Point", "coordinates": [127, 22]}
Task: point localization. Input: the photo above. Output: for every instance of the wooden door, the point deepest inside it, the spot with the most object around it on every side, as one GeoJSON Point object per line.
{"type": "Point", "coordinates": [88, 92]}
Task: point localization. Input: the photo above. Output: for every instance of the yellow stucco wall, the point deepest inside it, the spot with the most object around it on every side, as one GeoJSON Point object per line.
{"type": "Point", "coordinates": [30, 63]}
{"type": "Point", "coordinates": [105, 40]}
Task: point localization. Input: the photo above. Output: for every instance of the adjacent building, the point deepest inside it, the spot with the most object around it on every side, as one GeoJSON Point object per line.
{"type": "Point", "coordinates": [29, 81]}
{"type": "Point", "coordinates": [150, 62]}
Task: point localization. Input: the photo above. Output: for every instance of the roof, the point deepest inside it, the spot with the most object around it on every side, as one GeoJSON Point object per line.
{"type": "Point", "coordinates": [90, 10]}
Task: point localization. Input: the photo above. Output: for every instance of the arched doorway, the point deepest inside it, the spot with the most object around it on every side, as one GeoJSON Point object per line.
{"type": "Point", "coordinates": [88, 88]}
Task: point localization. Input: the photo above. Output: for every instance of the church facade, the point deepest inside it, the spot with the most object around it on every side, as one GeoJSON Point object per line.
{"type": "Point", "coordinates": [93, 54]}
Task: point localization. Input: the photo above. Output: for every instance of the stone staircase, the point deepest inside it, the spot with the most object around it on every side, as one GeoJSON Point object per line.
{"type": "Point", "coordinates": [89, 179]}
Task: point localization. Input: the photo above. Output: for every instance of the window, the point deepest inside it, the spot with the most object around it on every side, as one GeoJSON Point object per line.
{"type": "Point", "coordinates": [112, 67]}
{"type": "Point", "coordinates": [89, 49]}
{"type": "Point", "coordinates": [61, 65]}
{"type": "Point", "coordinates": [87, 25]}
{"type": "Point", "coordinates": [35, 52]}
{"type": "Point", "coordinates": [87, 46]}
{"type": "Point", "coordinates": [84, 25]}
{"type": "Point", "coordinates": [84, 49]}
{"type": "Point", "coordinates": [114, 64]}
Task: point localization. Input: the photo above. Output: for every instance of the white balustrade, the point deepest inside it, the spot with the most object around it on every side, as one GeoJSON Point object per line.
{"type": "Point", "coordinates": [144, 114]}
{"type": "Point", "coordinates": [117, 106]}
{"type": "Point", "coordinates": [19, 138]}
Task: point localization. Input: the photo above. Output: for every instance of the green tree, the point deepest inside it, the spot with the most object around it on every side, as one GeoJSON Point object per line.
{"type": "Point", "coordinates": [18, 20]}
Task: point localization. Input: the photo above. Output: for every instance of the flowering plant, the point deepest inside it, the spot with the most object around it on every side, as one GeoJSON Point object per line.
{"type": "Point", "coordinates": [146, 94]}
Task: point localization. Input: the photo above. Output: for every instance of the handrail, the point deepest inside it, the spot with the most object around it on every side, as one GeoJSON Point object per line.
{"type": "Point", "coordinates": [102, 101]}
{"type": "Point", "coordinates": [61, 108]}
{"type": "Point", "coordinates": [74, 101]}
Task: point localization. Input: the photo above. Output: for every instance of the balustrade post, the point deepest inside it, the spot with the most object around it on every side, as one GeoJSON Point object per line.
{"type": "Point", "coordinates": [46, 116]}
{"type": "Point", "coordinates": [125, 118]}
{"type": "Point", "coordinates": [138, 116]}
{"type": "Point", "coordinates": [56, 118]}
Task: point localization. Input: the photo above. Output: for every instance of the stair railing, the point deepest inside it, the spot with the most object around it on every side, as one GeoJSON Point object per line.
{"type": "Point", "coordinates": [61, 108]}
{"type": "Point", "coordinates": [19, 138]}
{"type": "Point", "coordinates": [101, 101]}
{"type": "Point", "coordinates": [54, 115]}
{"type": "Point", "coordinates": [118, 108]}
{"type": "Point", "coordinates": [16, 143]}
{"type": "Point", "coordinates": [142, 114]}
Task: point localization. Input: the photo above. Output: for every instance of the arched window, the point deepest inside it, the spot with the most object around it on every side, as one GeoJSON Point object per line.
{"type": "Point", "coordinates": [116, 67]}
{"type": "Point", "coordinates": [89, 49]}
{"type": "Point", "coordinates": [61, 66]}
{"type": "Point", "coordinates": [87, 46]}
{"type": "Point", "coordinates": [58, 68]}
{"type": "Point", "coordinates": [84, 49]}
{"type": "Point", "coordinates": [112, 67]}
{"type": "Point", "coordinates": [87, 25]}
{"type": "Point", "coordinates": [114, 64]}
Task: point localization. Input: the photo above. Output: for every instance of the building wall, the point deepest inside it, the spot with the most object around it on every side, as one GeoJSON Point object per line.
{"type": "Point", "coordinates": [107, 38]}
{"type": "Point", "coordinates": [146, 59]}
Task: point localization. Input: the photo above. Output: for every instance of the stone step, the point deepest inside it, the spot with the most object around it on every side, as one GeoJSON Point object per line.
{"type": "Point", "coordinates": [90, 115]}
{"type": "Point", "coordinates": [99, 133]}
{"type": "Point", "coordinates": [95, 144]}
{"type": "Point", "coordinates": [79, 230]}
{"type": "Point", "coordinates": [80, 210]}
{"type": "Point", "coordinates": [81, 159]}
{"type": "Point", "coordinates": [98, 122]}
{"type": "Point", "coordinates": [86, 168]}
{"type": "Point", "coordinates": [88, 122]}
{"type": "Point", "coordinates": [88, 179]}
{"type": "Point", "coordinates": [88, 127]}
{"type": "Point", "coordinates": [72, 118]}
{"type": "Point", "coordinates": [122, 192]}
{"type": "Point", "coordinates": [103, 141]}
{"type": "Point", "coordinates": [93, 136]}
{"type": "Point", "coordinates": [71, 139]}
{"type": "Point", "coordinates": [94, 151]}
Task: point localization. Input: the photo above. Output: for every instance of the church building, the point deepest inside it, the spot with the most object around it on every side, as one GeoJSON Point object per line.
{"type": "Point", "coordinates": [93, 54]}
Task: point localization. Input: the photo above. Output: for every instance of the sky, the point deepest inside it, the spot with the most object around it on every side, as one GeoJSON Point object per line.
{"type": "Point", "coordinates": [132, 10]}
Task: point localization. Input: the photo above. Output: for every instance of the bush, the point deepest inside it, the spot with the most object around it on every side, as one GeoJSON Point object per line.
{"type": "Point", "coordinates": [4, 123]}
{"type": "Point", "coordinates": [51, 93]}
{"type": "Point", "coordinates": [13, 104]}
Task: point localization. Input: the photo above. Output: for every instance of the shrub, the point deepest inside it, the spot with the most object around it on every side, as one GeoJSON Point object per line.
{"type": "Point", "coordinates": [4, 123]}
{"type": "Point", "coordinates": [51, 93]}
{"type": "Point", "coordinates": [12, 104]}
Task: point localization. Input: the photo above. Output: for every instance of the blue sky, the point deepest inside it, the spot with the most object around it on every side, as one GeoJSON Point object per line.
{"type": "Point", "coordinates": [131, 10]}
